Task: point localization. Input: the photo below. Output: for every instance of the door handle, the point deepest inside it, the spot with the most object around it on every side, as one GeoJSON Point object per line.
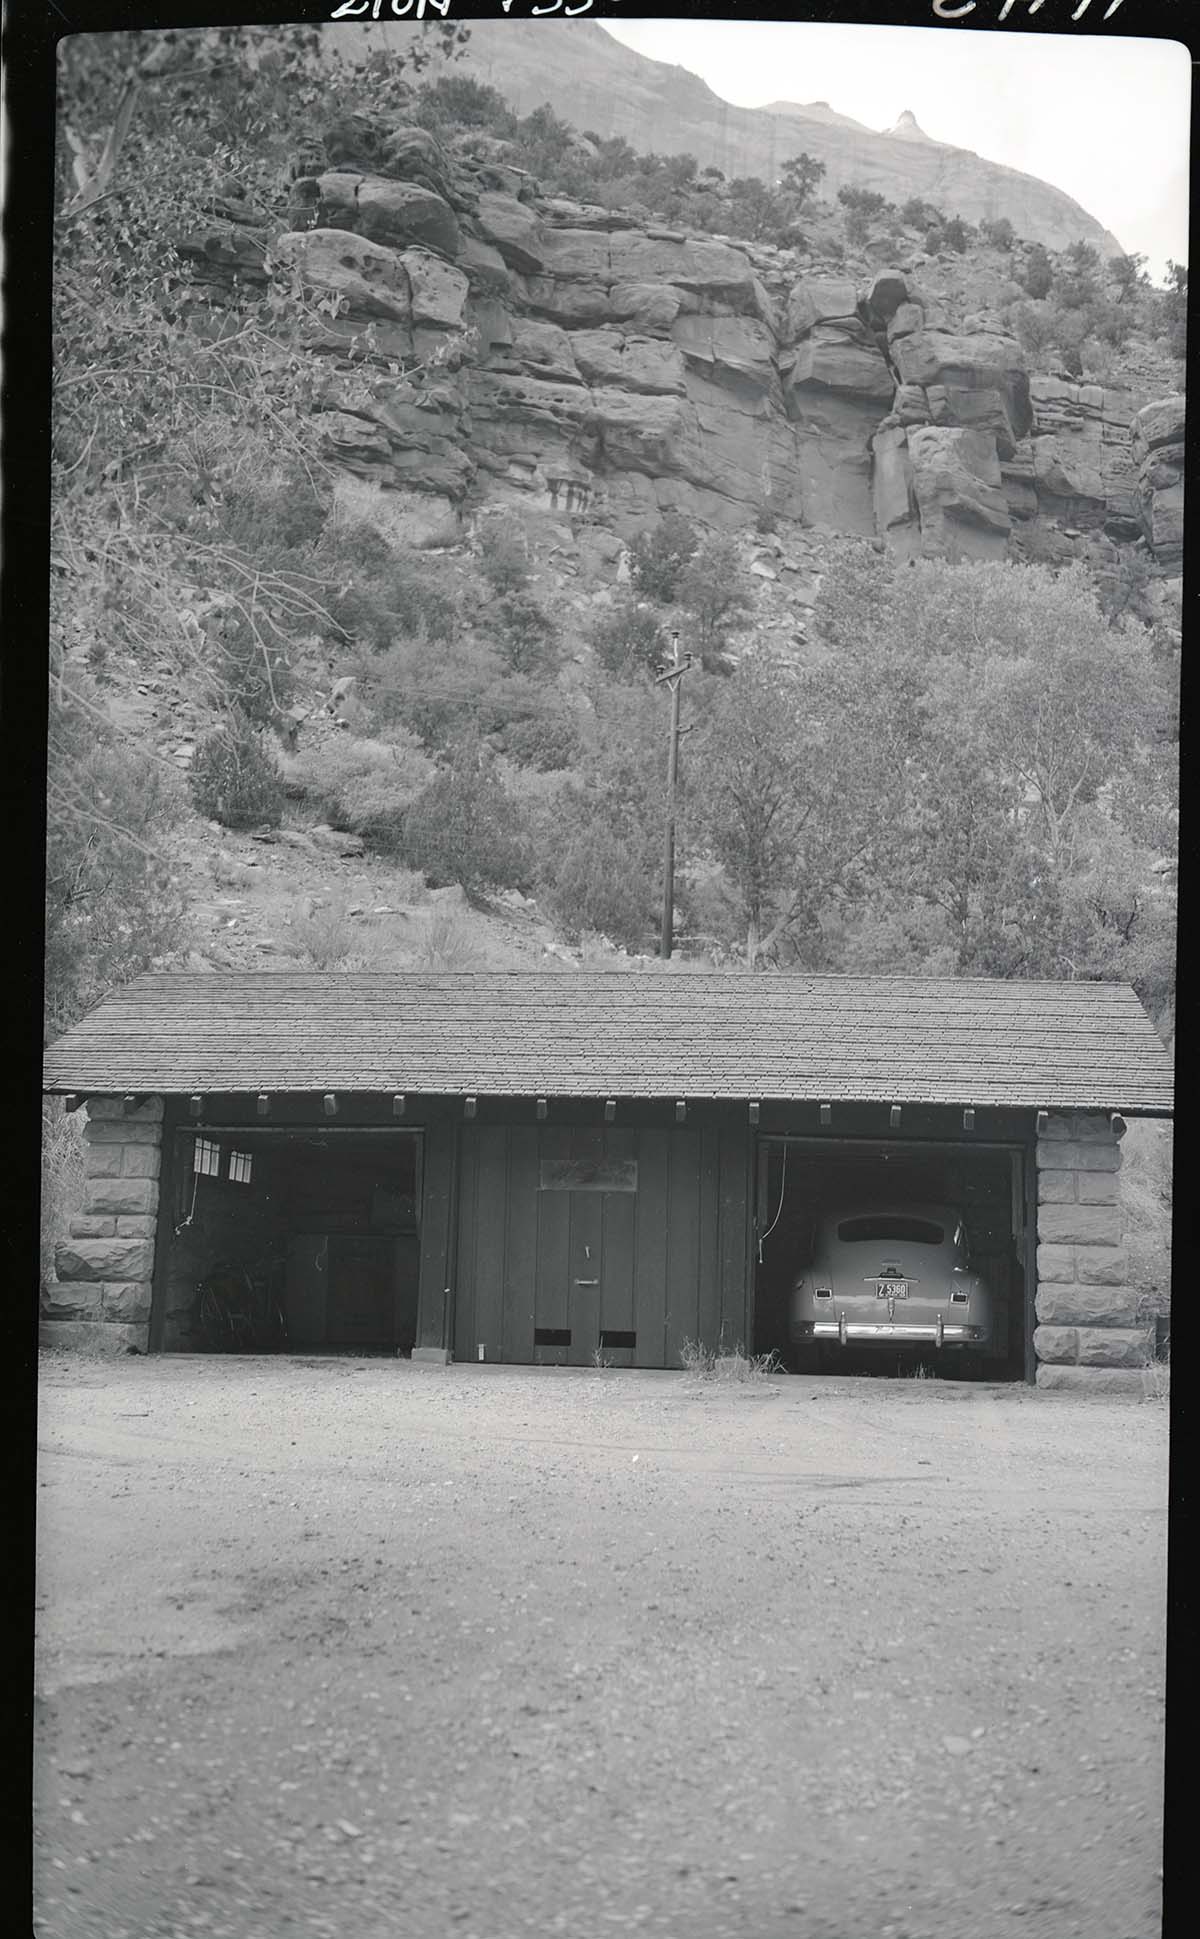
{"type": "Point", "coordinates": [587, 1282]}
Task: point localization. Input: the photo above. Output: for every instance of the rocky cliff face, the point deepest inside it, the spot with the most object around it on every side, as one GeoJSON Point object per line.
{"type": "Point", "coordinates": [483, 340]}
{"type": "Point", "coordinates": [594, 82]}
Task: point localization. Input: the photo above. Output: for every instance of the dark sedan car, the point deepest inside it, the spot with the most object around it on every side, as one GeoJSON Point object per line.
{"type": "Point", "coordinates": [892, 1276]}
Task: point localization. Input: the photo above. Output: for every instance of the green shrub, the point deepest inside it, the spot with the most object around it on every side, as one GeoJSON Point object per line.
{"type": "Point", "coordinates": [362, 785]}
{"type": "Point", "coordinates": [234, 780]}
{"type": "Point", "coordinates": [464, 828]}
{"type": "Point", "coordinates": [548, 740]}
{"type": "Point", "coordinates": [863, 201]}
{"type": "Point", "coordinates": [265, 520]}
{"type": "Point", "coordinates": [357, 543]}
{"type": "Point", "coordinates": [658, 556]}
{"type": "Point", "coordinates": [716, 592]}
{"type": "Point", "coordinates": [113, 906]}
{"type": "Point", "coordinates": [597, 882]}
{"type": "Point", "coordinates": [1000, 232]}
{"type": "Point", "coordinates": [504, 556]}
{"type": "Point", "coordinates": [252, 669]}
{"type": "Point", "coordinates": [956, 235]}
{"type": "Point", "coordinates": [627, 639]}
{"type": "Point", "coordinates": [1038, 275]}
{"type": "Point", "coordinates": [526, 634]}
{"type": "Point", "coordinates": [400, 601]}
{"type": "Point", "coordinates": [455, 101]}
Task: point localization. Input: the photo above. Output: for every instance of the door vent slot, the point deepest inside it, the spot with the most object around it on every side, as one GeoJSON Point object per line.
{"type": "Point", "coordinates": [551, 1336]}
{"type": "Point", "coordinates": [611, 1338]}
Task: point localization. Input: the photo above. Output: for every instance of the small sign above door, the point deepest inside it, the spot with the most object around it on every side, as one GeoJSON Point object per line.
{"type": "Point", "coordinates": [588, 1175]}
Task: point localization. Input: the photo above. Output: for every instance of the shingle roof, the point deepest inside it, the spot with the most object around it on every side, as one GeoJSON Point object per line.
{"type": "Point", "coordinates": [624, 1034]}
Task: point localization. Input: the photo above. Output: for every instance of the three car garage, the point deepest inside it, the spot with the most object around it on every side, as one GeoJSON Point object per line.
{"type": "Point", "coordinates": [547, 1167]}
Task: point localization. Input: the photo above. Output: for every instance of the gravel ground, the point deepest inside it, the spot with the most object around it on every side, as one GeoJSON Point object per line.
{"type": "Point", "coordinates": [347, 1647]}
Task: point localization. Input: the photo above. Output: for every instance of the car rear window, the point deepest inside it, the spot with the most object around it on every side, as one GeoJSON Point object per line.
{"type": "Point", "coordinates": [921, 1232]}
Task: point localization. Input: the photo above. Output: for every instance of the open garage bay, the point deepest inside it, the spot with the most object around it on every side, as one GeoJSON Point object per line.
{"type": "Point", "coordinates": [356, 1646]}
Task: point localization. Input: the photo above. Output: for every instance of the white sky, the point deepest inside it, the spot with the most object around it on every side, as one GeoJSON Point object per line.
{"type": "Point", "coordinates": [1107, 120]}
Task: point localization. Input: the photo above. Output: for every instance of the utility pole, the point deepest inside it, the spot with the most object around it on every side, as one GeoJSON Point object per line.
{"type": "Point", "coordinates": [671, 676]}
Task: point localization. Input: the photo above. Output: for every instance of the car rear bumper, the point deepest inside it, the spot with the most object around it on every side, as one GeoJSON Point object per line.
{"type": "Point", "coordinates": [891, 1332]}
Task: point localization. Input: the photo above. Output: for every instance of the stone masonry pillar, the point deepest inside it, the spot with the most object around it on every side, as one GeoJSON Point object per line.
{"type": "Point", "coordinates": [1087, 1338]}
{"type": "Point", "coordinates": [105, 1268]}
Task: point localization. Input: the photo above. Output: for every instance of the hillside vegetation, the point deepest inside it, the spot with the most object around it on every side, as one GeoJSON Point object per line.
{"type": "Point", "coordinates": [284, 729]}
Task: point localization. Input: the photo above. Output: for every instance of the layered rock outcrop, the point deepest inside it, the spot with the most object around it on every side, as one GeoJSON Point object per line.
{"type": "Point", "coordinates": [1158, 452]}
{"type": "Point", "coordinates": [484, 340]}
{"type": "Point", "coordinates": [599, 84]}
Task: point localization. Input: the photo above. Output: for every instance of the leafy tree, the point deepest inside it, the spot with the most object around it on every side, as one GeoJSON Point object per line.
{"type": "Point", "coordinates": [1038, 275]}
{"type": "Point", "coordinates": [1026, 740]}
{"type": "Point", "coordinates": [464, 827]}
{"type": "Point", "coordinates": [778, 796]}
{"type": "Point", "coordinates": [956, 235]}
{"type": "Point", "coordinates": [1174, 305]}
{"type": "Point", "coordinates": [999, 232]}
{"type": "Point", "coordinates": [753, 209]}
{"type": "Point", "coordinates": [800, 176]}
{"type": "Point", "coordinates": [113, 903]}
{"type": "Point", "coordinates": [456, 101]}
{"type": "Point", "coordinates": [504, 559]}
{"type": "Point", "coordinates": [600, 843]}
{"type": "Point", "coordinates": [714, 589]}
{"type": "Point", "coordinates": [628, 639]}
{"type": "Point", "coordinates": [1129, 274]}
{"type": "Point", "coordinates": [526, 634]}
{"type": "Point", "coordinates": [865, 201]}
{"type": "Point", "coordinates": [658, 555]}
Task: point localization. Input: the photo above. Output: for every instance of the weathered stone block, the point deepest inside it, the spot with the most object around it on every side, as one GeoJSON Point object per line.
{"type": "Point", "coordinates": [1058, 1125]}
{"type": "Point", "coordinates": [130, 1131]}
{"type": "Point", "coordinates": [1096, 1187]}
{"type": "Point", "coordinates": [1071, 1304]}
{"type": "Point", "coordinates": [126, 1300]}
{"type": "Point", "coordinates": [1056, 1262]}
{"type": "Point", "coordinates": [91, 1225]}
{"type": "Point", "coordinates": [123, 1195]}
{"type": "Point", "coordinates": [1077, 1155]}
{"type": "Point", "coordinates": [1097, 1225]}
{"type": "Point", "coordinates": [1102, 1265]}
{"type": "Point", "coordinates": [1113, 1346]}
{"type": "Point", "coordinates": [1126, 1382]}
{"type": "Point", "coordinates": [816, 300]}
{"type": "Point", "coordinates": [439, 291]}
{"type": "Point", "coordinates": [104, 1161]}
{"type": "Point", "coordinates": [1057, 1343]}
{"type": "Point", "coordinates": [96, 1336]}
{"type": "Point", "coordinates": [136, 1225]}
{"type": "Point", "coordinates": [1058, 1187]}
{"type": "Point", "coordinates": [149, 1111]}
{"type": "Point", "coordinates": [139, 1161]}
{"type": "Point", "coordinates": [104, 1259]}
{"type": "Point", "coordinates": [72, 1299]}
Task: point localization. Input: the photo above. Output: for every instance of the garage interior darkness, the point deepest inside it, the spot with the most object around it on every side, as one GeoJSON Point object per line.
{"type": "Point", "coordinates": [324, 1221]}
{"type": "Point", "coordinates": [801, 1179]}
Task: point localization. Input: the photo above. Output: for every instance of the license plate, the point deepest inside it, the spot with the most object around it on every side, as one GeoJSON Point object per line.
{"type": "Point", "coordinates": [892, 1288]}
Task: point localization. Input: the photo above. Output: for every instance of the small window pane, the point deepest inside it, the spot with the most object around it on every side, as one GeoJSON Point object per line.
{"type": "Point", "coordinates": [239, 1167]}
{"type": "Point", "coordinates": [206, 1158]}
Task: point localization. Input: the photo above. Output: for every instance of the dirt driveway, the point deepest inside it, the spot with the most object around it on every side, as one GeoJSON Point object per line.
{"type": "Point", "coordinates": [353, 1648]}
